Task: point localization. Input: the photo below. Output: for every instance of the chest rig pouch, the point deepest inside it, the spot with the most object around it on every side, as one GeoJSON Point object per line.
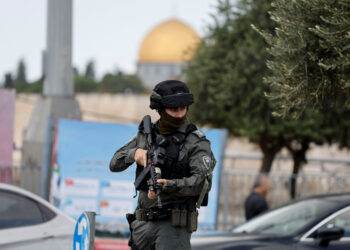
{"type": "Point", "coordinates": [172, 167]}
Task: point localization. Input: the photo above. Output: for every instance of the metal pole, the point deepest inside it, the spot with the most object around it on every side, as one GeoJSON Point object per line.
{"type": "Point", "coordinates": [225, 199]}
{"type": "Point", "coordinates": [46, 159]}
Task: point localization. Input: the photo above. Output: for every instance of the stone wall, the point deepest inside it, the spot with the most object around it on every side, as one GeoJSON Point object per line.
{"type": "Point", "coordinates": [130, 108]}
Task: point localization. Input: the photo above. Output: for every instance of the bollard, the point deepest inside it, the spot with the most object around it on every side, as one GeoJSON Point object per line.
{"type": "Point", "coordinates": [84, 234]}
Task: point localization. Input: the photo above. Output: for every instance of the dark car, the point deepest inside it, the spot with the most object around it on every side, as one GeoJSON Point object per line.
{"type": "Point", "coordinates": [318, 222]}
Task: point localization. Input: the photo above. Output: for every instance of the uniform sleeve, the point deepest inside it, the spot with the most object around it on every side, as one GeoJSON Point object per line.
{"type": "Point", "coordinates": [124, 156]}
{"type": "Point", "coordinates": [201, 162]}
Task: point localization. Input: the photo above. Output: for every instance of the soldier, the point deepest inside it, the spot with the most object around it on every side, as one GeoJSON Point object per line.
{"type": "Point", "coordinates": [185, 175]}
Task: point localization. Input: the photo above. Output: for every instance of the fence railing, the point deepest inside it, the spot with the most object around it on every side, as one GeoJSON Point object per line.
{"type": "Point", "coordinates": [237, 181]}
{"type": "Point", "coordinates": [6, 175]}
{"type": "Point", "coordinates": [237, 185]}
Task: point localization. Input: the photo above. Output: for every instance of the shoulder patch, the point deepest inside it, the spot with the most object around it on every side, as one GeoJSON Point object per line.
{"type": "Point", "coordinates": [199, 133]}
{"type": "Point", "coordinates": [207, 162]}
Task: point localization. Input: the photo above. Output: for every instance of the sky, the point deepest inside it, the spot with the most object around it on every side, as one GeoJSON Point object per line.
{"type": "Point", "coordinates": [109, 32]}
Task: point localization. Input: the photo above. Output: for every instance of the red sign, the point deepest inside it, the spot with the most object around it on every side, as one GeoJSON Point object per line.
{"type": "Point", "coordinates": [111, 244]}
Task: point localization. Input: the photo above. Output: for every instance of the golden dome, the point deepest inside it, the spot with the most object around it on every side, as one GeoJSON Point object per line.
{"type": "Point", "coordinates": [168, 42]}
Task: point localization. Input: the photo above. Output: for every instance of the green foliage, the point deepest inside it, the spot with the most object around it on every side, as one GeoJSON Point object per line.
{"type": "Point", "coordinates": [20, 83]}
{"type": "Point", "coordinates": [226, 77]}
{"type": "Point", "coordinates": [84, 84]}
{"type": "Point", "coordinates": [311, 55]}
{"type": "Point", "coordinates": [35, 87]}
{"type": "Point", "coordinates": [225, 74]}
{"type": "Point", "coordinates": [90, 70]}
{"type": "Point", "coordinates": [31, 87]}
{"type": "Point", "coordinates": [21, 72]}
{"type": "Point", "coordinates": [121, 83]}
{"type": "Point", "coordinates": [21, 80]}
{"type": "Point", "coordinates": [9, 82]}
{"type": "Point", "coordinates": [111, 83]}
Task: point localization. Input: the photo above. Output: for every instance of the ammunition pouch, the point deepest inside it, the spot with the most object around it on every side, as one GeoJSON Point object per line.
{"type": "Point", "coordinates": [184, 218]}
{"type": "Point", "coordinates": [180, 216]}
{"type": "Point", "coordinates": [192, 221]}
{"type": "Point", "coordinates": [140, 215]}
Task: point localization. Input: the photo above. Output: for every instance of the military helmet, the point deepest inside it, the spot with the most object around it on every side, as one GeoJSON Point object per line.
{"type": "Point", "coordinates": [170, 94]}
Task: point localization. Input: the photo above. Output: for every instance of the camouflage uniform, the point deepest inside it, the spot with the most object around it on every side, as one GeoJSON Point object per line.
{"type": "Point", "coordinates": [160, 234]}
{"type": "Point", "coordinates": [168, 223]}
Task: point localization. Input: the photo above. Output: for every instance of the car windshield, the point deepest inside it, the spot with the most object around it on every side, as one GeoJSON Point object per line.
{"type": "Point", "coordinates": [287, 219]}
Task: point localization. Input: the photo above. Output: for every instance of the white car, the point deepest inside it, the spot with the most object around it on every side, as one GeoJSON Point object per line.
{"type": "Point", "coordinates": [29, 222]}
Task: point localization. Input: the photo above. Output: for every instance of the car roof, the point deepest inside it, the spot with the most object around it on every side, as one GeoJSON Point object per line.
{"type": "Point", "coordinates": [13, 188]}
{"type": "Point", "coordinates": [341, 198]}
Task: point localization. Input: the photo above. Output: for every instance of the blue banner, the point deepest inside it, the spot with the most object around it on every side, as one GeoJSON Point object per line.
{"type": "Point", "coordinates": [82, 181]}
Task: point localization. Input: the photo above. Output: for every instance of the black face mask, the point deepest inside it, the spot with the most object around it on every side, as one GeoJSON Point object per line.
{"type": "Point", "coordinates": [168, 124]}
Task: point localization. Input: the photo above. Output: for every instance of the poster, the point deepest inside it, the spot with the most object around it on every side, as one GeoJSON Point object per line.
{"type": "Point", "coordinates": [7, 111]}
{"type": "Point", "coordinates": [81, 179]}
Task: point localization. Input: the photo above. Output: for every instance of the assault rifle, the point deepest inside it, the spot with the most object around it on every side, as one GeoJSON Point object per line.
{"type": "Point", "coordinates": [155, 159]}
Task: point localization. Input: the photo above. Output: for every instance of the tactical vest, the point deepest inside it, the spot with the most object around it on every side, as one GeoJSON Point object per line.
{"type": "Point", "coordinates": [172, 168]}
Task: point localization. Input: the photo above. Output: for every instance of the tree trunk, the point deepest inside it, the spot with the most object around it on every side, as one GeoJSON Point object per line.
{"type": "Point", "coordinates": [299, 159]}
{"type": "Point", "coordinates": [269, 146]}
{"type": "Point", "coordinates": [267, 161]}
